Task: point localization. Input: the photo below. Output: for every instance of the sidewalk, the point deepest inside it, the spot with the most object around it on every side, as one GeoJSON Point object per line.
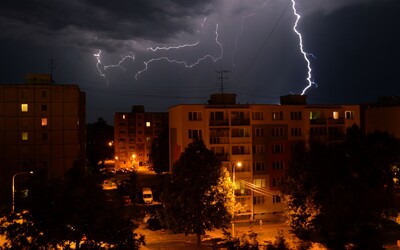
{"type": "Point", "coordinates": [167, 240]}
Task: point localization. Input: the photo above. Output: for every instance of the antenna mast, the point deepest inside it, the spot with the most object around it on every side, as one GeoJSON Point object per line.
{"type": "Point", "coordinates": [221, 77]}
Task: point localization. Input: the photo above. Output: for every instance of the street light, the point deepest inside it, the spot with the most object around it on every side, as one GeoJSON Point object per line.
{"type": "Point", "coordinates": [13, 188]}
{"type": "Point", "coordinates": [238, 164]}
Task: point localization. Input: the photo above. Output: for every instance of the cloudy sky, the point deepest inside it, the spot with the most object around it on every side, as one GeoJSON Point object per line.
{"type": "Point", "coordinates": [166, 52]}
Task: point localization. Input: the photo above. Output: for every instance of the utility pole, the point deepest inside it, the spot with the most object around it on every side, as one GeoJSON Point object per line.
{"type": "Point", "coordinates": [51, 66]}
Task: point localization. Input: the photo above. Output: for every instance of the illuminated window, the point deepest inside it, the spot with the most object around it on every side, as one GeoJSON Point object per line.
{"type": "Point", "coordinates": [147, 124]}
{"type": "Point", "coordinates": [24, 107]}
{"type": "Point", "coordinates": [335, 115]}
{"type": "Point", "coordinates": [123, 116]}
{"type": "Point", "coordinates": [259, 182]}
{"type": "Point", "coordinates": [24, 136]}
{"type": "Point", "coordinates": [44, 122]}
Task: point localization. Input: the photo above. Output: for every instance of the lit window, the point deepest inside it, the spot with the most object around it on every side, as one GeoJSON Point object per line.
{"type": "Point", "coordinates": [147, 124]}
{"type": "Point", "coordinates": [123, 116]}
{"type": "Point", "coordinates": [44, 122]}
{"type": "Point", "coordinates": [24, 107]}
{"type": "Point", "coordinates": [24, 136]}
{"type": "Point", "coordinates": [335, 115]}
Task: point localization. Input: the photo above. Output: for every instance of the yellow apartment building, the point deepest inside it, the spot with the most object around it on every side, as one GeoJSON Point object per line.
{"type": "Point", "coordinates": [259, 136]}
{"type": "Point", "coordinates": [42, 128]}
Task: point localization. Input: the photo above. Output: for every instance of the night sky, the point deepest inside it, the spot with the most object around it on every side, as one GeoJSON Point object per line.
{"type": "Point", "coordinates": [356, 45]}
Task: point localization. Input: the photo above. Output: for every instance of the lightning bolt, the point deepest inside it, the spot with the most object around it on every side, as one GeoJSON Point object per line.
{"type": "Point", "coordinates": [305, 54]}
{"type": "Point", "coordinates": [237, 37]}
{"type": "Point", "coordinates": [98, 65]}
{"type": "Point", "coordinates": [118, 65]}
{"type": "Point", "coordinates": [123, 58]}
{"type": "Point", "coordinates": [186, 64]}
{"type": "Point", "coordinates": [174, 47]}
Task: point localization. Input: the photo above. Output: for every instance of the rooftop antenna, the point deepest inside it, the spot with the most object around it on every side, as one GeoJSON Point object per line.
{"type": "Point", "coordinates": [221, 77]}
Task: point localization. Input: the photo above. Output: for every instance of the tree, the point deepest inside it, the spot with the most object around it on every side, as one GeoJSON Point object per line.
{"type": "Point", "coordinates": [99, 135]}
{"type": "Point", "coordinates": [70, 211]}
{"type": "Point", "coordinates": [195, 199]}
{"type": "Point", "coordinates": [159, 154]}
{"type": "Point", "coordinates": [338, 193]}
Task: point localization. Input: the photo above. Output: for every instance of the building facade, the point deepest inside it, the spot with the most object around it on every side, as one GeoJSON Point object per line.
{"type": "Point", "coordinates": [259, 136]}
{"type": "Point", "coordinates": [42, 127]}
{"type": "Point", "coordinates": [383, 116]}
{"type": "Point", "coordinates": [133, 135]}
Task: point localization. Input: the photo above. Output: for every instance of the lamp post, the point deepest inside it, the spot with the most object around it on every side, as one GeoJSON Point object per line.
{"type": "Point", "coordinates": [13, 187]}
{"type": "Point", "coordinates": [238, 164]}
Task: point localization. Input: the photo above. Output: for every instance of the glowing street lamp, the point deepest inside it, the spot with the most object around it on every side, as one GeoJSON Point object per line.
{"type": "Point", "coordinates": [238, 164]}
{"type": "Point", "coordinates": [13, 187]}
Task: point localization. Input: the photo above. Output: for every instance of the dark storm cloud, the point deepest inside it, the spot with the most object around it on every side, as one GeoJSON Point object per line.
{"type": "Point", "coordinates": [103, 22]}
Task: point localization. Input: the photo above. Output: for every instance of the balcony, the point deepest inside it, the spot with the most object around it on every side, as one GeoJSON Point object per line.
{"type": "Point", "coordinates": [219, 140]}
{"type": "Point", "coordinates": [219, 122]}
{"type": "Point", "coordinates": [240, 122]}
{"type": "Point", "coordinates": [318, 121]}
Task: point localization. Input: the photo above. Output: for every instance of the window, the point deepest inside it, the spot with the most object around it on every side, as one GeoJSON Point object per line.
{"type": "Point", "coordinates": [240, 150]}
{"type": "Point", "coordinates": [194, 116]}
{"type": "Point", "coordinates": [315, 115]}
{"type": "Point", "coordinates": [24, 107]}
{"type": "Point", "coordinates": [148, 124]}
{"type": "Point", "coordinates": [123, 117]}
{"type": "Point", "coordinates": [44, 107]}
{"type": "Point", "coordinates": [278, 165]}
{"type": "Point", "coordinates": [318, 131]}
{"type": "Point", "coordinates": [276, 199]}
{"type": "Point", "coordinates": [258, 166]}
{"type": "Point", "coordinates": [277, 148]}
{"type": "Point", "coordinates": [277, 115]}
{"type": "Point", "coordinates": [195, 133]}
{"type": "Point", "coordinates": [258, 132]}
{"type": "Point", "coordinates": [258, 116]}
{"type": "Point", "coordinates": [296, 131]}
{"type": "Point", "coordinates": [44, 93]}
{"type": "Point", "coordinates": [24, 136]}
{"type": "Point", "coordinates": [259, 182]}
{"type": "Point", "coordinates": [240, 132]}
{"type": "Point", "coordinates": [148, 139]}
{"type": "Point", "coordinates": [258, 200]}
{"type": "Point", "coordinates": [349, 115]}
{"type": "Point", "coordinates": [258, 149]}
{"type": "Point", "coordinates": [335, 115]}
{"type": "Point", "coordinates": [44, 136]}
{"type": "Point", "coordinates": [279, 131]}
{"type": "Point", "coordinates": [44, 122]}
{"type": "Point", "coordinates": [217, 116]}
{"type": "Point", "coordinates": [276, 181]}
{"type": "Point", "coordinates": [297, 115]}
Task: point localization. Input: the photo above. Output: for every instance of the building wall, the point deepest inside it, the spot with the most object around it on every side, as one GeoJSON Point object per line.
{"type": "Point", "coordinates": [50, 135]}
{"type": "Point", "coordinates": [383, 118]}
{"type": "Point", "coordinates": [259, 136]}
{"type": "Point", "coordinates": [133, 135]}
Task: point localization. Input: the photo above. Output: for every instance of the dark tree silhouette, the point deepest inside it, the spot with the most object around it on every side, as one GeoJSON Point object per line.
{"type": "Point", "coordinates": [195, 199]}
{"type": "Point", "coordinates": [159, 154]}
{"type": "Point", "coordinates": [71, 211]}
{"type": "Point", "coordinates": [338, 193]}
{"type": "Point", "coordinates": [99, 134]}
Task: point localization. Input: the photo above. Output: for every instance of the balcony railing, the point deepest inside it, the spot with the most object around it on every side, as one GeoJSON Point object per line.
{"type": "Point", "coordinates": [240, 122]}
{"type": "Point", "coordinates": [219, 140]}
{"type": "Point", "coordinates": [219, 122]}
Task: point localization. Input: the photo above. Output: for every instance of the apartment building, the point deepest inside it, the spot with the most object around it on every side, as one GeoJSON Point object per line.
{"type": "Point", "coordinates": [133, 135]}
{"type": "Point", "coordinates": [42, 128]}
{"type": "Point", "coordinates": [383, 116]}
{"type": "Point", "coordinates": [259, 136]}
